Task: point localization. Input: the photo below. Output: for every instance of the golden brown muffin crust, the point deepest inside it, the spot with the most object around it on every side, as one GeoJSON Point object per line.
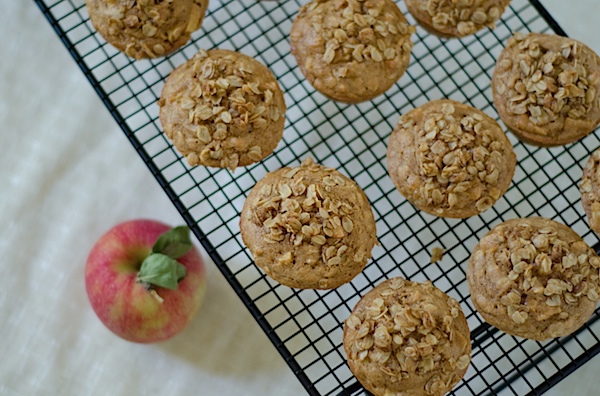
{"type": "Point", "coordinates": [146, 28]}
{"type": "Point", "coordinates": [222, 109]}
{"type": "Point", "coordinates": [351, 50]}
{"type": "Point", "coordinates": [450, 159]}
{"type": "Point", "coordinates": [456, 18]}
{"type": "Point", "coordinates": [409, 339]}
{"type": "Point", "coordinates": [308, 227]}
{"type": "Point", "coordinates": [590, 191]}
{"type": "Point", "coordinates": [534, 278]}
{"type": "Point", "coordinates": [545, 88]}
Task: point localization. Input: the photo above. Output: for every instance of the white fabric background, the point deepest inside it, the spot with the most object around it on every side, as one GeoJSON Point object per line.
{"type": "Point", "coordinates": [68, 174]}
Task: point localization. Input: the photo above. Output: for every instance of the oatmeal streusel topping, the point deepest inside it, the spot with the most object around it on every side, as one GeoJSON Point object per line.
{"type": "Point", "coordinates": [462, 159]}
{"type": "Point", "coordinates": [230, 110]}
{"type": "Point", "coordinates": [590, 191]}
{"type": "Point", "coordinates": [540, 271]}
{"type": "Point", "coordinates": [545, 88]}
{"type": "Point", "coordinates": [358, 30]}
{"type": "Point", "coordinates": [317, 219]}
{"type": "Point", "coordinates": [413, 335]}
{"type": "Point", "coordinates": [147, 28]}
{"type": "Point", "coordinates": [545, 83]}
{"type": "Point", "coordinates": [458, 17]}
{"type": "Point", "coordinates": [351, 50]}
{"type": "Point", "coordinates": [309, 213]}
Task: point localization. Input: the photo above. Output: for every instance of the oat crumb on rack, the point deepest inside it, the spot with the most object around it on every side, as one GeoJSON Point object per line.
{"type": "Point", "coordinates": [436, 254]}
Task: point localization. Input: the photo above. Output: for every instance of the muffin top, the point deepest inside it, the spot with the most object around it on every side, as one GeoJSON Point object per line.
{"type": "Point", "coordinates": [590, 191]}
{"type": "Point", "coordinates": [450, 159]}
{"type": "Point", "coordinates": [308, 227]}
{"type": "Point", "coordinates": [222, 109]}
{"type": "Point", "coordinates": [351, 50]}
{"type": "Point", "coordinates": [456, 18]}
{"type": "Point", "coordinates": [534, 278]}
{"type": "Point", "coordinates": [545, 88]}
{"type": "Point", "coordinates": [407, 338]}
{"type": "Point", "coordinates": [146, 28]}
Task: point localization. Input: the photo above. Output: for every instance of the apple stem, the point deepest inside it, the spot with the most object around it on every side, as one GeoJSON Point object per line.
{"type": "Point", "coordinates": [155, 294]}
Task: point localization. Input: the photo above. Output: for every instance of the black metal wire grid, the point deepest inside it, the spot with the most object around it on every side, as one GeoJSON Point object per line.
{"type": "Point", "coordinates": [306, 326]}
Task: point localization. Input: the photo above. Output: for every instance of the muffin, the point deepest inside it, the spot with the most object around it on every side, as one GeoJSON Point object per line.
{"type": "Point", "coordinates": [308, 227]}
{"type": "Point", "coordinates": [222, 109]}
{"type": "Point", "coordinates": [146, 28]}
{"type": "Point", "coordinates": [407, 338]}
{"type": "Point", "coordinates": [452, 18]}
{"type": "Point", "coordinates": [590, 191]}
{"type": "Point", "coordinates": [450, 159]}
{"type": "Point", "coordinates": [534, 278]}
{"type": "Point", "coordinates": [351, 51]}
{"type": "Point", "coordinates": [545, 88]}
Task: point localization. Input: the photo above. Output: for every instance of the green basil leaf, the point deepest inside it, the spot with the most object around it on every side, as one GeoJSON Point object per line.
{"type": "Point", "coordinates": [161, 270]}
{"type": "Point", "coordinates": [174, 243]}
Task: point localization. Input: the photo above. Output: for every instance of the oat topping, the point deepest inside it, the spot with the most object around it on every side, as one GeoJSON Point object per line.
{"type": "Point", "coordinates": [464, 17]}
{"type": "Point", "coordinates": [228, 107]}
{"type": "Point", "coordinates": [544, 82]}
{"type": "Point", "coordinates": [158, 25]}
{"type": "Point", "coordinates": [309, 213]}
{"type": "Point", "coordinates": [436, 254]}
{"type": "Point", "coordinates": [411, 332]}
{"type": "Point", "coordinates": [541, 268]}
{"type": "Point", "coordinates": [590, 190]}
{"type": "Point", "coordinates": [358, 30]}
{"type": "Point", "coordinates": [351, 50]}
{"type": "Point", "coordinates": [458, 155]}
{"type": "Point", "coordinates": [308, 227]}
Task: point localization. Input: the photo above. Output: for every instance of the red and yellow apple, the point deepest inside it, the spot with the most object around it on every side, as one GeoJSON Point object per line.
{"type": "Point", "coordinates": [145, 280]}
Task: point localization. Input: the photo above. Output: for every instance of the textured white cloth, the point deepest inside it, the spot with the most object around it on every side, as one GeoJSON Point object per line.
{"type": "Point", "coordinates": [68, 174]}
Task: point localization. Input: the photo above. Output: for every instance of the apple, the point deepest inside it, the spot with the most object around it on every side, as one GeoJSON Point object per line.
{"type": "Point", "coordinates": [145, 280]}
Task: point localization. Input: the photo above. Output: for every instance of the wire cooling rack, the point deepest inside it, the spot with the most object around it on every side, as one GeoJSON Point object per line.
{"type": "Point", "coordinates": [306, 326]}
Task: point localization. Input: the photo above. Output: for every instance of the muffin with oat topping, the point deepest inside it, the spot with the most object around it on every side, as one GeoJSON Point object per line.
{"type": "Point", "coordinates": [450, 159]}
{"type": "Point", "coordinates": [407, 338]}
{"type": "Point", "coordinates": [546, 89]}
{"type": "Point", "coordinates": [456, 18]}
{"type": "Point", "coordinates": [146, 28]}
{"type": "Point", "coordinates": [308, 227]}
{"type": "Point", "coordinates": [534, 278]}
{"type": "Point", "coordinates": [351, 50]}
{"type": "Point", "coordinates": [222, 109]}
{"type": "Point", "coordinates": [590, 191]}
